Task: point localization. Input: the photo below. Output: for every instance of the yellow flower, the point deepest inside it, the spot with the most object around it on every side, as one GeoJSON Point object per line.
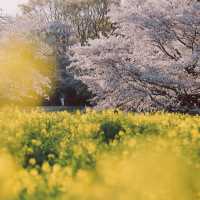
{"type": "Point", "coordinates": [36, 142]}
{"type": "Point", "coordinates": [56, 168]}
{"type": "Point", "coordinates": [125, 153]}
{"type": "Point", "coordinates": [32, 161]}
{"type": "Point", "coordinates": [172, 134]}
{"type": "Point", "coordinates": [77, 150]}
{"type": "Point", "coordinates": [185, 142]}
{"type": "Point", "coordinates": [19, 134]}
{"type": "Point", "coordinates": [51, 156]}
{"type": "Point", "coordinates": [121, 133]}
{"type": "Point", "coordinates": [91, 147]}
{"type": "Point", "coordinates": [43, 131]}
{"type": "Point", "coordinates": [46, 168]}
{"type": "Point", "coordinates": [29, 150]}
{"type": "Point", "coordinates": [195, 134]}
{"type": "Point", "coordinates": [34, 172]}
{"type": "Point", "coordinates": [132, 142]}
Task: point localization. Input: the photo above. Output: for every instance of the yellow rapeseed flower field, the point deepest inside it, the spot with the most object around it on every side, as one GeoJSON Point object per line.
{"type": "Point", "coordinates": [98, 156]}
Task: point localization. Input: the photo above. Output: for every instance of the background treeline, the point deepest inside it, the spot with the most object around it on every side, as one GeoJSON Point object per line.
{"type": "Point", "coordinates": [130, 54]}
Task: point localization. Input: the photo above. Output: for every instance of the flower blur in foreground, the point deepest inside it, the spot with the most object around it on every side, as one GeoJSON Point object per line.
{"type": "Point", "coordinates": [8, 172]}
{"type": "Point", "coordinates": [98, 155]}
{"type": "Point", "coordinates": [25, 76]}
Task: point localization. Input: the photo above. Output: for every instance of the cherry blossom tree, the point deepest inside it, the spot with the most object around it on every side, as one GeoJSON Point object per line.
{"type": "Point", "coordinates": [60, 24]}
{"type": "Point", "coordinates": [4, 20]}
{"type": "Point", "coordinates": [150, 62]}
